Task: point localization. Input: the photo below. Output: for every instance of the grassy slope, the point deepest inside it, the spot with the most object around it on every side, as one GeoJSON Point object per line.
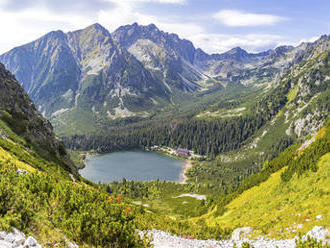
{"type": "Point", "coordinates": [5, 157]}
{"type": "Point", "coordinates": [34, 200]}
{"type": "Point", "coordinates": [273, 206]}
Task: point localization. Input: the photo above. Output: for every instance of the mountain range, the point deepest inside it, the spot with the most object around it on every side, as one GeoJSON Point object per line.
{"type": "Point", "coordinates": [91, 77]}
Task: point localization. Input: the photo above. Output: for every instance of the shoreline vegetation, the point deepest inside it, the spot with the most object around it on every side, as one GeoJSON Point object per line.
{"type": "Point", "coordinates": [81, 158]}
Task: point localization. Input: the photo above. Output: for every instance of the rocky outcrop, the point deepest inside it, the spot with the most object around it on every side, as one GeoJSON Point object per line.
{"type": "Point", "coordinates": [241, 233]}
{"type": "Point", "coordinates": [18, 111]}
{"type": "Point", "coordinates": [17, 239]}
{"type": "Point", "coordinates": [319, 233]}
{"type": "Point", "coordinates": [163, 54]}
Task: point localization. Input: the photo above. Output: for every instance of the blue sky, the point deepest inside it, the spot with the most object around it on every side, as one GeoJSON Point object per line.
{"type": "Point", "coordinates": [213, 25]}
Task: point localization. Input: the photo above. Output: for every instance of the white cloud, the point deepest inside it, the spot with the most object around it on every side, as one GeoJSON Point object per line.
{"type": "Point", "coordinates": [31, 23]}
{"type": "Point", "coordinates": [219, 43]}
{"type": "Point", "coordinates": [236, 18]}
{"type": "Point", "coordinates": [312, 39]}
{"type": "Point", "coordinates": [27, 25]}
{"type": "Point", "coordinates": [125, 13]}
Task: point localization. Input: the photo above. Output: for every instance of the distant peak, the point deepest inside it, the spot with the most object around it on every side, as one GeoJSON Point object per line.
{"type": "Point", "coordinates": [96, 26]}
{"type": "Point", "coordinates": [152, 26]}
{"type": "Point", "coordinates": [55, 34]}
{"type": "Point", "coordinates": [237, 49]}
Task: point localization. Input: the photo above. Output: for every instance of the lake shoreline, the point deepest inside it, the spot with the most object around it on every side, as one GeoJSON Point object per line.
{"type": "Point", "coordinates": [182, 177]}
{"type": "Point", "coordinates": [87, 155]}
{"type": "Point", "coordinates": [143, 174]}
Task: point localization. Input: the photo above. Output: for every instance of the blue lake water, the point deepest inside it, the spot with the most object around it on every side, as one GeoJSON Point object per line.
{"type": "Point", "coordinates": [132, 165]}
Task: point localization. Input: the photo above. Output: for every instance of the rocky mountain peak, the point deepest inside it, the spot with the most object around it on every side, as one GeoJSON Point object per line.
{"type": "Point", "coordinates": [58, 34]}
{"type": "Point", "coordinates": [236, 50]}
{"type": "Point", "coordinates": [152, 26]}
{"type": "Point", "coordinates": [237, 53]}
{"type": "Point", "coordinates": [96, 28]}
{"type": "Point", "coordinates": [283, 49]}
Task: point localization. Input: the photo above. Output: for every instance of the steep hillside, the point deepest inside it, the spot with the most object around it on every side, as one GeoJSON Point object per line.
{"type": "Point", "coordinates": [21, 126]}
{"type": "Point", "coordinates": [291, 200]}
{"type": "Point", "coordinates": [41, 193]}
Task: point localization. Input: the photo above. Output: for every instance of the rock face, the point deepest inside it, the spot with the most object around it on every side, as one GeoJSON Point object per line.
{"type": "Point", "coordinates": [180, 63]}
{"type": "Point", "coordinates": [162, 53]}
{"type": "Point", "coordinates": [19, 112]}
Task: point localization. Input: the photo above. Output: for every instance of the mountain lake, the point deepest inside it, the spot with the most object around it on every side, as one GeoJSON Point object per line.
{"type": "Point", "coordinates": [131, 165]}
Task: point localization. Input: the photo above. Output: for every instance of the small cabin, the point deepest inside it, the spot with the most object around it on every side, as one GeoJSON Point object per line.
{"type": "Point", "coordinates": [182, 152]}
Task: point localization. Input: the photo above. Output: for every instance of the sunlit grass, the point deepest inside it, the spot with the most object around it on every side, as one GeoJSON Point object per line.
{"type": "Point", "coordinates": [6, 157]}
{"type": "Point", "coordinates": [273, 205]}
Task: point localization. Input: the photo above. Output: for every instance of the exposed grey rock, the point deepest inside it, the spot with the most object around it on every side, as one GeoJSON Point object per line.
{"type": "Point", "coordinates": [318, 232]}
{"type": "Point", "coordinates": [241, 232]}
{"type": "Point", "coordinates": [319, 217]}
{"type": "Point", "coordinates": [4, 244]}
{"type": "Point", "coordinates": [31, 241]}
{"type": "Point", "coordinates": [16, 239]}
{"type": "Point", "coordinates": [72, 245]}
{"type": "Point", "coordinates": [21, 172]}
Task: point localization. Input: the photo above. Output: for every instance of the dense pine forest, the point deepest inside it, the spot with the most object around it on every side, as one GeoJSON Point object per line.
{"type": "Point", "coordinates": [205, 137]}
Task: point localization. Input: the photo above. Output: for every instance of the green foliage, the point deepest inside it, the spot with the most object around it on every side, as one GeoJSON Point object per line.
{"type": "Point", "coordinates": [310, 243]}
{"type": "Point", "coordinates": [246, 245]}
{"type": "Point", "coordinates": [309, 157]}
{"type": "Point", "coordinates": [199, 230]}
{"type": "Point", "coordinates": [78, 158]}
{"type": "Point", "coordinates": [208, 137]}
{"type": "Point", "coordinates": [83, 213]}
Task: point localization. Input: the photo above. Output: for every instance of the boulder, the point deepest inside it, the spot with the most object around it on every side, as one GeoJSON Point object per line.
{"type": "Point", "coordinates": [72, 245]}
{"type": "Point", "coordinates": [31, 242]}
{"type": "Point", "coordinates": [240, 233]}
{"type": "Point", "coordinates": [318, 232]}
{"type": "Point", "coordinates": [4, 244]}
